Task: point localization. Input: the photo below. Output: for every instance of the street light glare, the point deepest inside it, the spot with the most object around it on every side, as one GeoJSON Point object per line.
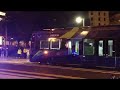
{"type": "Point", "coordinates": [78, 20]}
{"type": "Point", "coordinates": [2, 13]}
{"type": "Point", "coordinates": [1, 19]}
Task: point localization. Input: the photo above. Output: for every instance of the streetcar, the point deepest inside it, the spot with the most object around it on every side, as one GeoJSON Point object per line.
{"type": "Point", "coordinates": [54, 46]}
{"type": "Point", "coordinates": [86, 46]}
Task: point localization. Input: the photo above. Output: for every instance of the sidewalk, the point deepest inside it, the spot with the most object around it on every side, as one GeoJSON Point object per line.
{"type": "Point", "coordinates": [13, 60]}
{"type": "Point", "coordinates": [9, 58]}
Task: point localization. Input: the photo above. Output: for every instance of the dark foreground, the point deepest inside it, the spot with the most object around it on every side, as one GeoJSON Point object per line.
{"type": "Point", "coordinates": [23, 69]}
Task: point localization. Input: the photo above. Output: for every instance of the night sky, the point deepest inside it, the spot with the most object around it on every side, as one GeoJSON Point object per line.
{"type": "Point", "coordinates": [45, 19]}
{"type": "Point", "coordinates": [24, 23]}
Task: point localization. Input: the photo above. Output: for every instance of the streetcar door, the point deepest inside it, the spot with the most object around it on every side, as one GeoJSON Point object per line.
{"type": "Point", "coordinates": [77, 47]}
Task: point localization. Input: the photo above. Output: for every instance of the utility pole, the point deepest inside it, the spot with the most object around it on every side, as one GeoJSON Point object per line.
{"type": "Point", "coordinates": [3, 14]}
{"type": "Point", "coordinates": [115, 65]}
{"type": "Point", "coordinates": [6, 53]}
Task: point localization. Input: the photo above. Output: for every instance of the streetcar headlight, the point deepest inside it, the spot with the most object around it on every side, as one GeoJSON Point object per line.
{"type": "Point", "coordinates": [45, 52]}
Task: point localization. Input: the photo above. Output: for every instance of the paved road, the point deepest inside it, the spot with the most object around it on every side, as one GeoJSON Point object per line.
{"type": "Point", "coordinates": [10, 75]}
{"type": "Point", "coordinates": [24, 69]}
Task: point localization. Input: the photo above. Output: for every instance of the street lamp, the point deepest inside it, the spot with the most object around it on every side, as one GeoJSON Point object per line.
{"type": "Point", "coordinates": [79, 20]}
{"type": "Point", "coordinates": [2, 13]}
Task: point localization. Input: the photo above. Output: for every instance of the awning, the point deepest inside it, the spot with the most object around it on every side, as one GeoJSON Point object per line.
{"type": "Point", "coordinates": [70, 34]}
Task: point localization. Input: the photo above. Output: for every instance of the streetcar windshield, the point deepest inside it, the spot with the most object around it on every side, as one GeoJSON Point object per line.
{"type": "Point", "coordinates": [55, 44]}
{"type": "Point", "coordinates": [44, 44]}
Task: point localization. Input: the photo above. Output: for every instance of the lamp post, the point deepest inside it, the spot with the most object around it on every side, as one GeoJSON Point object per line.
{"type": "Point", "coordinates": [3, 14]}
{"type": "Point", "coordinates": [78, 21]}
{"type": "Point", "coordinates": [115, 55]}
{"type": "Point", "coordinates": [6, 53]}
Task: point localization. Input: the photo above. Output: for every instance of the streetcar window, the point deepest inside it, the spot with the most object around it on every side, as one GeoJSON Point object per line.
{"type": "Point", "coordinates": [77, 47]}
{"type": "Point", "coordinates": [44, 44]}
{"type": "Point", "coordinates": [88, 48]}
{"type": "Point", "coordinates": [55, 44]}
{"type": "Point", "coordinates": [100, 49]}
{"type": "Point", "coordinates": [110, 47]}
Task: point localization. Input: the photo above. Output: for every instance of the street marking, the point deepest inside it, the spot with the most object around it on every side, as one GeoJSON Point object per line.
{"type": "Point", "coordinates": [50, 75]}
{"type": "Point", "coordinates": [78, 69]}
{"type": "Point", "coordinates": [106, 67]}
{"type": "Point", "coordinates": [14, 75]}
{"type": "Point", "coordinates": [25, 76]}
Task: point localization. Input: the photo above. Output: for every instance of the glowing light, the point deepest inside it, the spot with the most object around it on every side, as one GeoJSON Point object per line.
{"type": "Point", "coordinates": [66, 45]}
{"type": "Point", "coordinates": [69, 44]}
{"type": "Point", "coordinates": [1, 19]}
{"type": "Point", "coordinates": [52, 39]}
{"type": "Point", "coordinates": [84, 33]}
{"type": "Point", "coordinates": [78, 20]}
{"type": "Point", "coordinates": [53, 29]}
{"type": "Point", "coordinates": [1, 41]}
{"type": "Point", "coordinates": [45, 52]}
{"type": "Point", "coordinates": [22, 43]}
{"type": "Point", "coordinates": [2, 13]}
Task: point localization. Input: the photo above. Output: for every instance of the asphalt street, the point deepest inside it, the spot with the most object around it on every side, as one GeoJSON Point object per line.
{"type": "Point", "coordinates": [22, 68]}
